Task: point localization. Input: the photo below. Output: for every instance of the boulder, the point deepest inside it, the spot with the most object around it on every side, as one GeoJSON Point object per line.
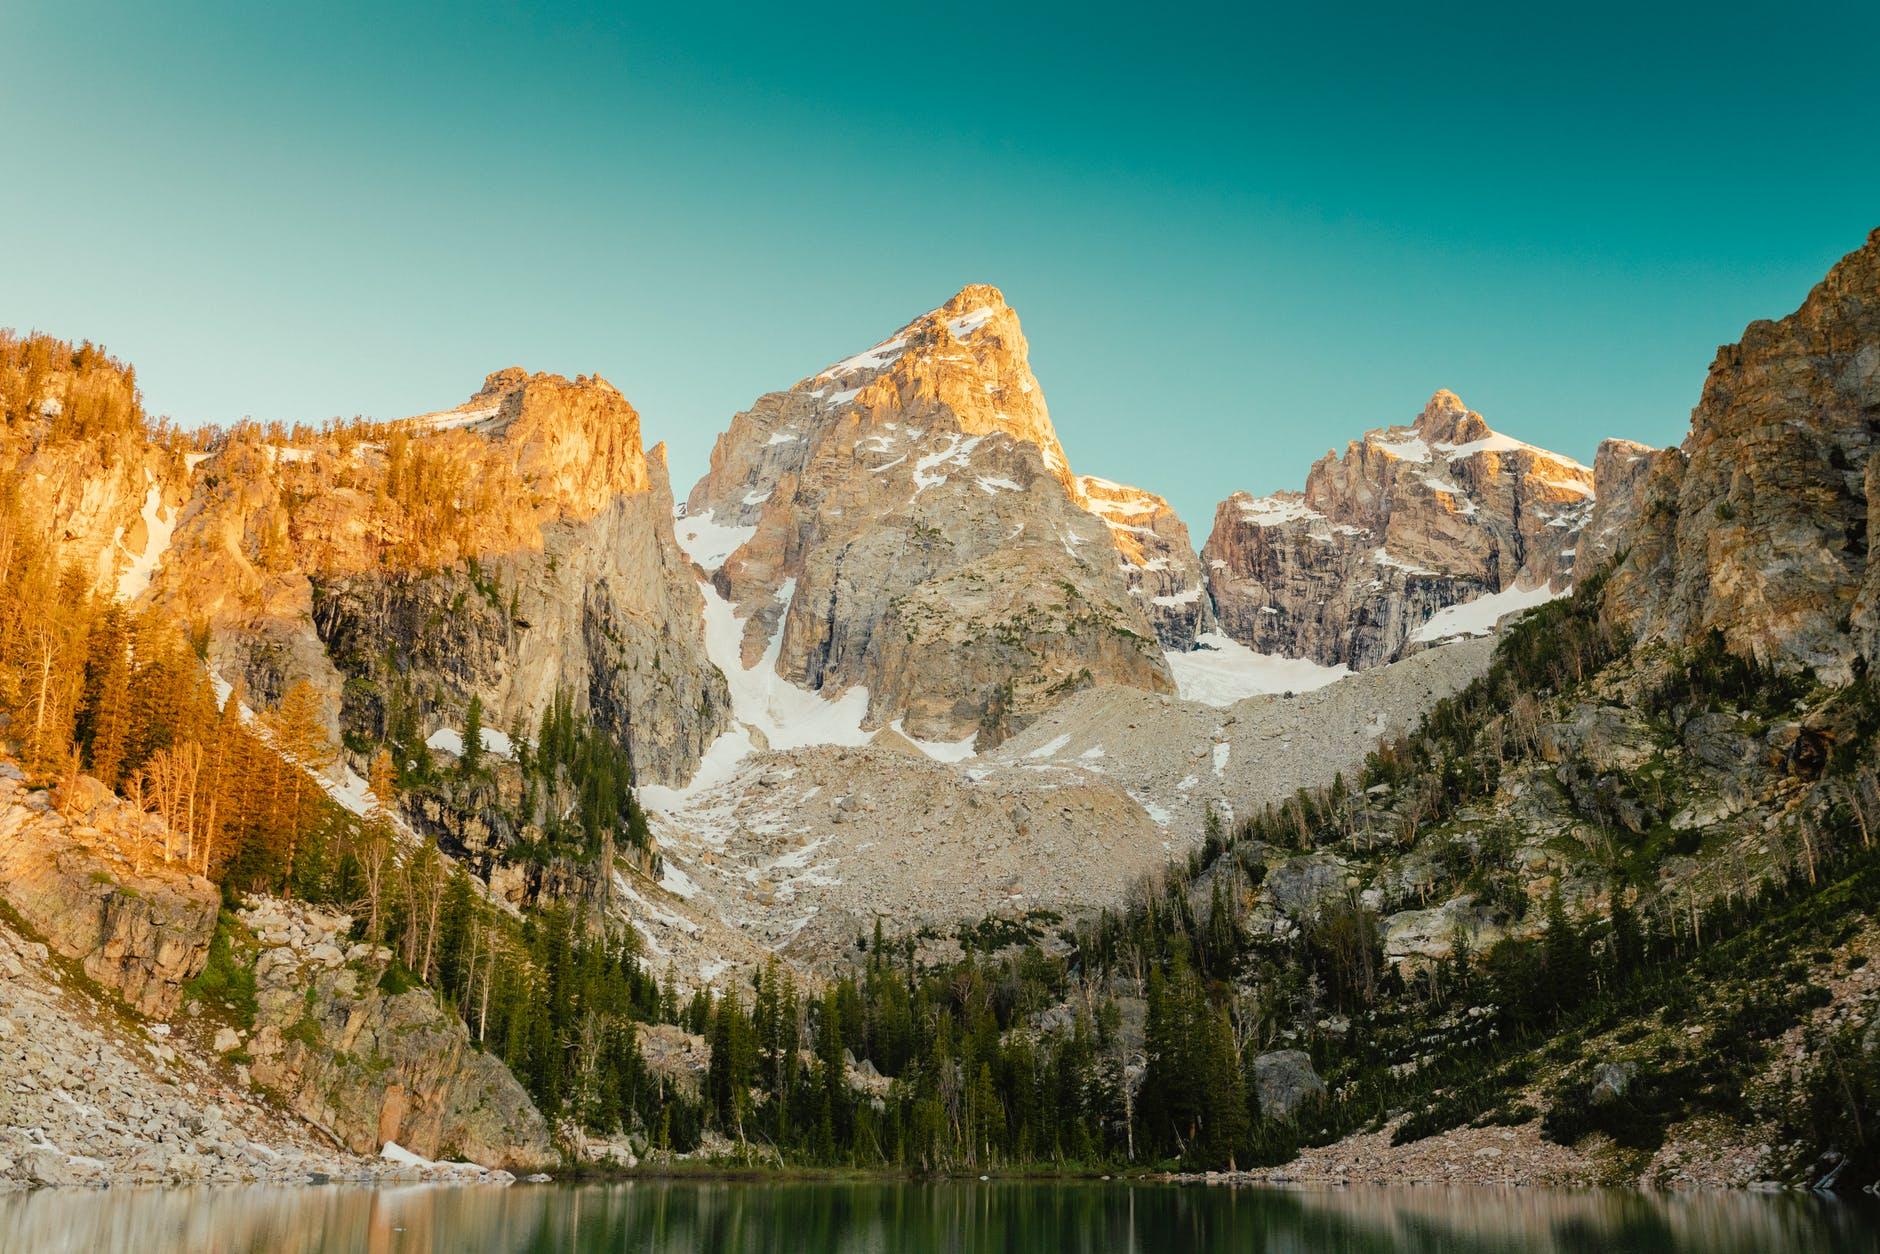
{"type": "Point", "coordinates": [1284, 1081]}
{"type": "Point", "coordinates": [1301, 886]}
{"type": "Point", "coordinates": [101, 895]}
{"type": "Point", "coordinates": [1430, 935]}
{"type": "Point", "coordinates": [1610, 1081]}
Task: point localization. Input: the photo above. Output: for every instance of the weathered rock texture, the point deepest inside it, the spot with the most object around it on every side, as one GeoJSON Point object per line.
{"type": "Point", "coordinates": [1620, 471]}
{"type": "Point", "coordinates": [1284, 1082]}
{"type": "Point", "coordinates": [1157, 559]}
{"type": "Point", "coordinates": [105, 497]}
{"type": "Point", "coordinates": [517, 546]}
{"type": "Point", "coordinates": [802, 850]}
{"type": "Point", "coordinates": [374, 1066]}
{"type": "Point", "coordinates": [136, 927]}
{"type": "Point", "coordinates": [1760, 526]}
{"type": "Point", "coordinates": [906, 521]}
{"type": "Point", "coordinates": [1410, 520]}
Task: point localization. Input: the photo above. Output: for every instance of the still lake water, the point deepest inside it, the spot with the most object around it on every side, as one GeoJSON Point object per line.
{"type": "Point", "coordinates": [670, 1217]}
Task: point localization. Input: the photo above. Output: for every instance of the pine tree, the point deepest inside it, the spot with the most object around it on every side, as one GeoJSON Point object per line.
{"type": "Point", "coordinates": [471, 760]}
{"type": "Point", "coordinates": [1564, 954]}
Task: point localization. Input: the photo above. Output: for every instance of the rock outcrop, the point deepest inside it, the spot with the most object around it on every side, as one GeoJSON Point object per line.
{"type": "Point", "coordinates": [1620, 471]}
{"type": "Point", "coordinates": [372, 1065]}
{"type": "Point", "coordinates": [1408, 522]}
{"type": "Point", "coordinates": [1158, 560]}
{"type": "Point", "coordinates": [1761, 525]}
{"type": "Point", "coordinates": [83, 465]}
{"type": "Point", "coordinates": [1284, 1081]}
{"type": "Point", "coordinates": [90, 881]}
{"type": "Point", "coordinates": [906, 522]}
{"type": "Point", "coordinates": [514, 548]}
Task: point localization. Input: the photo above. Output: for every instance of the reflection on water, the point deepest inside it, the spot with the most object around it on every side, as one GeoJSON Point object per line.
{"type": "Point", "coordinates": [867, 1218]}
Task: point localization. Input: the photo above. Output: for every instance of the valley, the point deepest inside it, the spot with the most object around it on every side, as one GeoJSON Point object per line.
{"type": "Point", "coordinates": [902, 798]}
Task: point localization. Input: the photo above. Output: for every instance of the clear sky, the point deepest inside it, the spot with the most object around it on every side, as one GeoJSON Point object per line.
{"type": "Point", "coordinates": [1236, 238]}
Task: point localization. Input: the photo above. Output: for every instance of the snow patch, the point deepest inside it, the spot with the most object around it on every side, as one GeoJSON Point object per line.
{"type": "Point", "coordinates": [939, 750]}
{"type": "Point", "coordinates": [967, 323]}
{"type": "Point", "coordinates": [707, 542]}
{"type": "Point", "coordinates": [1409, 449]}
{"type": "Point", "coordinates": [675, 881]}
{"type": "Point", "coordinates": [875, 358]}
{"type": "Point", "coordinates": [1384, 557]}
{"type": "Point", "coordinates": [1222, 671]}
{"type": "Point", "coordinates": [446, 419]}
{"type": "Point", "coordinates": [788, 717]}
{"type": "Point", "coordinates": [1272, 511]}
{"type": "Point", "coordinates": [450, 740]}
{"type": "Point", "coordinates": [158, 531]}
{"type": "Point", "coordinates": [1478, 617]}
{"type": "Point", "coordinates": [958, 452]}
{"type": "Point", "coordinates": [1050, 748]}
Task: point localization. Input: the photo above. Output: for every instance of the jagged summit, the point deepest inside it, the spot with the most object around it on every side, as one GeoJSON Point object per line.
{"type": "Point", "coordinates": [1389, 537]}
{"type": "Point", "coordinates": [1448, 430]}
{"type": "Point", "coordinates": [1761, 524]}
{"type": "Point", "coordinates": [905, 522]}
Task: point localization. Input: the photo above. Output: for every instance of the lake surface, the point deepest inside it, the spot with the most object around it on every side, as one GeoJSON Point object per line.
{"type": "Point", "coordinates": [876, 1218]}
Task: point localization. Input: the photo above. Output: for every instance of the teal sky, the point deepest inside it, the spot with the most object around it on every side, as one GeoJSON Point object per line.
{"type": "Point", "coordinates": [1236, 238]}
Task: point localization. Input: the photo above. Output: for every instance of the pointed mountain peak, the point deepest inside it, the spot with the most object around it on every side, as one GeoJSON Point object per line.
{"type": "Point", "coordinates": [974, 297]}
{"type": "Point", "coordinates": [1446, 420]}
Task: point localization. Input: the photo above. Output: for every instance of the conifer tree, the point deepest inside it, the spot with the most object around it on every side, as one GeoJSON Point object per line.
{"type": "Point", "coordinates": [471, 760]}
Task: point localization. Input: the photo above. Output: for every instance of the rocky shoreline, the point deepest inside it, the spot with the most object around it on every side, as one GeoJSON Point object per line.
{"type": "Point", "coordinates": [90, 1096]}
{"type": "Point", "coordinates": [117, 1069]}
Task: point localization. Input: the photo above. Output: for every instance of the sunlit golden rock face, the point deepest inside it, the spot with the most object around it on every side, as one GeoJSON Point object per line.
{"type": "Point", "coordinates": [907, 520]}
{"type": "Point", "coordinates": [1408, 521]}
{"type": "Point", "coordinates": [1158, 559]}
{"type": "Point", "coordinates": [1760, 525]}
{"type": "Point", "coordinates": [513, 547]}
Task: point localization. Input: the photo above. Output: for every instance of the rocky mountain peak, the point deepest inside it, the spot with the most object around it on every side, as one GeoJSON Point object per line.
{"type": "Point", "coordinates": [1157, 558]}
{"type": "Point", "coordinates": [1445, 419]}
{"type": "Point", "coordinates": [1410, 521]}
{"type": "Point", "coordinates": [1761, 525]}
{"type": "Point", "coordinates": [500, 383]}
{"type": "Point", "coordinates": [905, 521]}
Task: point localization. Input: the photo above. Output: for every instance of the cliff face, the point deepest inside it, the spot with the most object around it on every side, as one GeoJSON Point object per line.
{"type": "Point", "coordinates": [1157, 559]}
{"type": "Point", "coordinates": [906, 522]}
{"type": "Point", "coordinates": [373, 1066]}
{"type": "Point", "coordinates": [138, 929]}
{"type": "Point", "coordinates": [518, 545]}
{"type": "Point", "coordinates": [1409, 521]}
{"type": "Point", "coordinates": [1621, 470]}
{"type": "Point", "coordinates": [75, 450]}
{"type": "Point", "coordinates": [1760, 525]}
{"type": "Point", "coordinates": [85, 870]}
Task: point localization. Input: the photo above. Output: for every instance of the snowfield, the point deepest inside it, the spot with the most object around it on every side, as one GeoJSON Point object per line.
{"type": "Point", "coordinates": [1222, 671]}
{"type": "Point", "coordinates": [1478, 617]}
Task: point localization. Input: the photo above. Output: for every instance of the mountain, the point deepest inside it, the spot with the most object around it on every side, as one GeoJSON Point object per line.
{"type": "Point", "coordinates": [513, 548]}
{"type": "Point", "coordinates": [1760, 525]}
{"type": "Point", "coordinates": [1409, 522]}
{"type": "Point", "coordinates": [901, 534]}
{"type": "Point", "coordinates": [1471, 814]}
